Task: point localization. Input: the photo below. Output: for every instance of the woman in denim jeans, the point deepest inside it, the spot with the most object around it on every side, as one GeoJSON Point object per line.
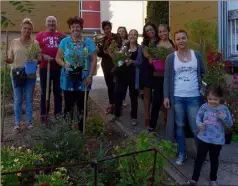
{"type": "Point", "coordinates": [182, 81]}
{"type": "Point", "coordinates": [17, 57]}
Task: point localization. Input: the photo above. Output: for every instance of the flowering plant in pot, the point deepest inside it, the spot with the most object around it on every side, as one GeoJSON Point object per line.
{"type": "Point", "coordinates": [31, 64]}
{"type": "Point", "coordinates": [215, 71]}
{"type": "Point", "coordinates": [159, 55]}
{"type": "Point", "coordinates": [118, 55]}
{"type": "Point", "coordinates": [79, 56]}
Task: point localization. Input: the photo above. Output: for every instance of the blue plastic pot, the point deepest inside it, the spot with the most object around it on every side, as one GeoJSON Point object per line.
{"type": "Point", "coordinates": [30, 67]}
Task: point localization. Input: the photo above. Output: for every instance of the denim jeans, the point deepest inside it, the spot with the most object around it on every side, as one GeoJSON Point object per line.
{"type": "Point", "coordinates": [27, 90]}
{"type": "Point", "coordinates": [185, 107]}
{"type": "Point", "coordinates": [55, 78]}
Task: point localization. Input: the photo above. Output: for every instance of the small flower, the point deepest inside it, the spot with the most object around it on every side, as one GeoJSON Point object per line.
{"type": "Point", "coordinates": [16, 160]}
{"type": "Point", "coordinates": [12, 148]}
{"type": "Point", "coordinates": [18, 174]}
{"type": "Point", "coordinates": [28, 150]}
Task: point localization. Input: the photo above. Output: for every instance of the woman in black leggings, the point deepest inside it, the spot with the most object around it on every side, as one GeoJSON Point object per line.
{"type": "Point", "coordinates": [128, 75]}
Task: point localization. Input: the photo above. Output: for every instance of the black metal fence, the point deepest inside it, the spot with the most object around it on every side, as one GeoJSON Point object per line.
{"type": "Point", "coordinates": [94, 165]}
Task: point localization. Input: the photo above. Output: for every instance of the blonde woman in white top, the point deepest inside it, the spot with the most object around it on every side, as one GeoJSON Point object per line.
{"type": "Point", "coordinates": [17, 56]}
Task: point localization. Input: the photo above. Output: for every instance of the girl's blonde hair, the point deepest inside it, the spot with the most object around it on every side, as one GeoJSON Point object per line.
{"type": "Point", "coordinates": [27, 21]}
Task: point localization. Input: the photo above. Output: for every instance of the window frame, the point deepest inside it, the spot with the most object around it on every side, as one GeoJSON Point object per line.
{"type": "Point", "coordinates": [81, 10]}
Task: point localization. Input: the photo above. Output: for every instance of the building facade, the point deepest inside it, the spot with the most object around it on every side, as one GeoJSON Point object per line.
{"type": "Point", "coordinates": [120, 13]}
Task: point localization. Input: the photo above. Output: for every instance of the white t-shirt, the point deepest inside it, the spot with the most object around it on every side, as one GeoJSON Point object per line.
{"type": "Point", "coordinates": [186, 79]}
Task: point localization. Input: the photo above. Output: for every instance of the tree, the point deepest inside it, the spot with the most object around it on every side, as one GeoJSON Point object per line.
{"type": "Point", "coordinates": [158, 12]}
{"type": "Point", "coordinates": [21, 6]}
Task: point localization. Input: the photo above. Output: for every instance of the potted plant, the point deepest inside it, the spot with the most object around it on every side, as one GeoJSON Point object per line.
{"type": "Point", "coordinates": [31, 64]}
{"type": "Point", "coordinates": [79, 56]}
{"type": "Point", "coordinates": [119, 56]}
{"type": "Point", "coordinates": [215, 71]}
{"type": "Point", "coordinates": [159, 55]}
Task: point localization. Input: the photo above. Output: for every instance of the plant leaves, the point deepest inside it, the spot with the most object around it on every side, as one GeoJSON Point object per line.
{"type": "Point", "coordinates": [16, 3]}
{"type": "Point", "coordinates": [23, 10]}
{"type": "Point", "coordinates": [5, 25]}
{"type": "Point", "coordinates": [3, 13]}
{"type": "Point", "coordinates": [19, 7]}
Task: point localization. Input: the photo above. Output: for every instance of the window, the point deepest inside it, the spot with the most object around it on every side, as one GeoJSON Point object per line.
{"type": "Point", "coordinates": [228, 28]}
{"type": "Point", "coordinates": [90, 12]}
{"type": "Point", "coordinates": [233, 31]}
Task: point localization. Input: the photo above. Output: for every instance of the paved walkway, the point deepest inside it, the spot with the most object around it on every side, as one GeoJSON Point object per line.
{"type": "Point", "coordinates": [228, 170]}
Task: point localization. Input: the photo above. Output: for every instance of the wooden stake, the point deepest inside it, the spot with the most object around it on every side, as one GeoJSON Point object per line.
{"type": "Point", "coordinates": [85, 110]}
{"type": "Point", "coordinates": [4, 90]}
{"type": "Point", "coordinates": [47, 90]}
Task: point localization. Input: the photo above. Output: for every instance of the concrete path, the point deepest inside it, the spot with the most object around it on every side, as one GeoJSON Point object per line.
{"type": "Point", "coordinates": [228, 169]}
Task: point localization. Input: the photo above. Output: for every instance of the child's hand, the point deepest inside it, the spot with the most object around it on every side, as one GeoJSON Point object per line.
{"type": "Point", "coordinates": [202, 127]}
{"type": "Point", "coordinates": [220, 115]}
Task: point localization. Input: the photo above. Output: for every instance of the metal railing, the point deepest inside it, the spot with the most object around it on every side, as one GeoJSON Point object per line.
{"type": "Point", "coordinates": [94, 165]}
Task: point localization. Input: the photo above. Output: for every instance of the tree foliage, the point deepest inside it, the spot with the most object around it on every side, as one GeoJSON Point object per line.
{"type": "Point", "coordinates": [158, 12]}
{"type": "Point", "coordinates": [20, 6]}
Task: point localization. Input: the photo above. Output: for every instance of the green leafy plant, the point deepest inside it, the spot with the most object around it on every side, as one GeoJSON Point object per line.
{"type": "Point", "coordinates": [94, 125]}
{"type": "Point", "coordinates": [203, 36]}
{"type": "Point", "coordinates": [157, 52]}
{"type": "Point", "coordinates": [32, 51]}
{"type": "Point", "coordinates": [118, 55]}
{"type": "Point", "coordinates": [8, 85]}
{"type": "Point", "coordinates": [21, 6]}
{"type": "Point", "coordinates": [13, 159]}
{"type": "Point", "coordinates": [215, 69]}
{"type": "Point", "coordinates": [137, 170]}
{"type": "Point", "coordinates": [157, 12]}
{"type": "Point", "coordinates": [56, 178]}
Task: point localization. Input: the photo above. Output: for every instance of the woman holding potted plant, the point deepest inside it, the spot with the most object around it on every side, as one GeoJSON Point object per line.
{"type": "Point", "coordinates": [128, 75]}
{"type": "Point", "coordinates": [157, 58]}
{"type": "Point", "coordinates": [23, 51]}
{"type": "Point", "coordinates": [124, 37]}
{"type": "Point", "coordinates": [78, 68]}
{"type": "Point", "coordinates": [182, 82]}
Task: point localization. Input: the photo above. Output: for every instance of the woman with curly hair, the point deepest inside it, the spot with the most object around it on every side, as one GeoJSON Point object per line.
{"type": "Point", "coordinates": [78, 68]}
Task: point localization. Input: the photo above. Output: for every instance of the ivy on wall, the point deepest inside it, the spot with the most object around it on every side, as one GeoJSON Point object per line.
{"type": "Point", "coordinates": [157, 12]}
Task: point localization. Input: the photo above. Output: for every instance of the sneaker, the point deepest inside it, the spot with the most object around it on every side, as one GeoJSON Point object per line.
{"type": "Point", "coordinates": [133, 122]}
{"type": "Point", "coordinates": [124, 103]}
{"type": "Point", "coordinates": [29, 126]}
{"type": "Point", "coordinates": [213, 183]}
{"type": "Point", "coordinates": [17, 128]}
{"type": "Point", "coordinates": [191, 183]}
{"type": "Point", "coordinates": [114, 118]}
{"type": "Point", "coordinates": [109, 110]}
{"type": "Point", "coordinates": [181, 159]}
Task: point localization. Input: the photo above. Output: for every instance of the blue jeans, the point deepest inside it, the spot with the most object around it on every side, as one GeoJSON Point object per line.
{"type": "Point", "coordinates": [185, 107]}
{"type": "Point", "coordinates": [26, 90]}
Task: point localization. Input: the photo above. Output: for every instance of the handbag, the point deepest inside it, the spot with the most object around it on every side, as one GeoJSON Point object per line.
{"type": "Point", "coordinates": [19, 76]}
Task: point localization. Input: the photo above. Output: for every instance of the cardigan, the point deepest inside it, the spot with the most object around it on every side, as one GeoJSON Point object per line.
{"type": "Point", "coordinates": [169, 90]}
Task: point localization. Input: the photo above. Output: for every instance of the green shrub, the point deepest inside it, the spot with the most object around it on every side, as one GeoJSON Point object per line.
{"type": "Point", "coordinates": [94, 125]}
{"type": "Point", "coordinates": [137, 170]}
{"type": "Point", "coordinates": [157, 12]}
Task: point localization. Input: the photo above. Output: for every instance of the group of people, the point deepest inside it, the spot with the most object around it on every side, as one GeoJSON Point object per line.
{"type": "Point", "coordinates": [177, 88]}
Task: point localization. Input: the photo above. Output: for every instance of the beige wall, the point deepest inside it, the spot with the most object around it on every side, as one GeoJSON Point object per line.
{"type": "Point", "coordinates": [61, 9]}
{"type": "Point", "coordinates": [182, 11]}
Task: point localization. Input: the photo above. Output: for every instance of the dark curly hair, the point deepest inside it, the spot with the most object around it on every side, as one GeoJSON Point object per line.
{"type": "Point", "coordinates": [146, 39]}
{"type": "Point", "coordinates": [75, 20]}
{"type": "Point", "coordinates": [106, 23]}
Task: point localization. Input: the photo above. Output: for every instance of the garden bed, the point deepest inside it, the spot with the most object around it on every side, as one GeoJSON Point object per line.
{"type": "Point", "coordinates": [60, 144]}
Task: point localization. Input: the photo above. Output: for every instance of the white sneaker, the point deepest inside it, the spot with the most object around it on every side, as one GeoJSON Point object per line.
{"type": "Point", "coordinates": [124, 103]}
{"type": "Point", "coordinates": [133, 122]}
{"type": "Point", "coordinates": [17, 128]}
{"type": "Point", "coordinates": [29, 127]}
{"type": "Point", "coordinates": [181, 159]}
